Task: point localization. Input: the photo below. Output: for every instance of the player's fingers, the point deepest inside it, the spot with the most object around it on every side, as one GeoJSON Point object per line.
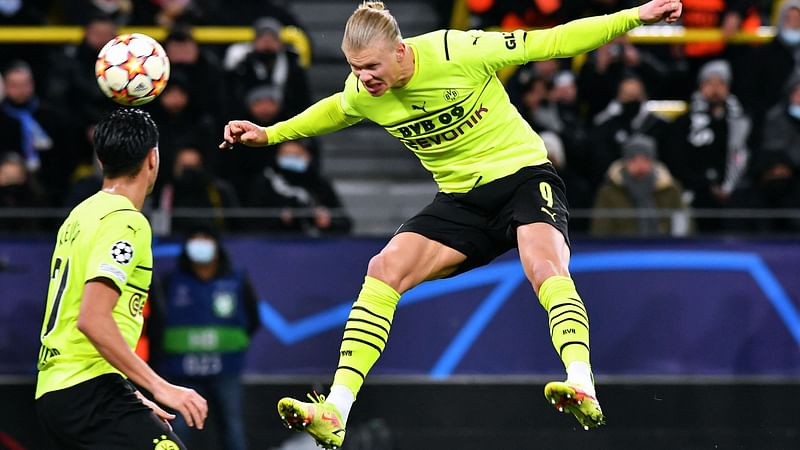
{"type": "Point", "coordinates": [162, 414]}
{"type": "Point", "coordinates": [187, 415]}
{"type": "Point", "coordinates": [198, 416]}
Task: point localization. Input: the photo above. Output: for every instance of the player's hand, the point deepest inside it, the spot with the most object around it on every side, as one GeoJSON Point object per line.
{"type": "Point", "coordinates": [658, 10]}
{"type": "Point", "coordinates": [187, 402]}
{"type": "Point", "coordinates": [159, 412]}
{"type": "Point", "coordinates": [244, 132]}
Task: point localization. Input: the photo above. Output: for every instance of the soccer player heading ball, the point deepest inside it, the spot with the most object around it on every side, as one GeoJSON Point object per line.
{"type": "Point", "coordinates": [438, 93]}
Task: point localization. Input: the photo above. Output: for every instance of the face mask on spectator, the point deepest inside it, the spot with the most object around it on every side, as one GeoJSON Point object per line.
{"type": "Point", "coordinates": [293, 163]}
{"type": "Point", "coordinates": [201, 251]}
{"type": "Point", "coordinates": [794, 111]}
{"type": "Point", "coordinates": [631, 108]}
{"type": "Point", "coordinates": [790, 36]}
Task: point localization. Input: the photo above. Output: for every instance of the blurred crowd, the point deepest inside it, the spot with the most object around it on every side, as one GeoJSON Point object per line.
{"type": "Point", "coordinates": [736, 146]}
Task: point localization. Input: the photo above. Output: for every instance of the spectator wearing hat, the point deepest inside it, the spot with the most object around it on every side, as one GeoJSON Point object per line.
{"type": "Point", "coordinates": [264, 106]}
{"type": "Point", "coordinates": [708, 150]}
{"type": "Point", "coordinates": [270, 62]}
{"type": "Point", "coordinates": [641, 183]}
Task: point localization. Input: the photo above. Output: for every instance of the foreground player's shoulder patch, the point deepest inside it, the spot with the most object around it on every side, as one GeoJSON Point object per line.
{"type": "Point", "coordinates": [113, 271]}
{"type": "Point", "coordinates": [122, 252]}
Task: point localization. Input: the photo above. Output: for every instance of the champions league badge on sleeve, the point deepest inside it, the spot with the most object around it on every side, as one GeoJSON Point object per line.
{"type": "Point", "coordinates": [122, 252]}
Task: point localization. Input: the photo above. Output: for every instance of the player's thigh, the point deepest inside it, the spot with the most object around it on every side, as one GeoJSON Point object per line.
{"type": "Point", "coordinates": [411, 258]}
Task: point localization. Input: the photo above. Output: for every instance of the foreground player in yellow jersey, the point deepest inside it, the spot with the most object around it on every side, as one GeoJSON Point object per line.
{"type": "Point", "coordinates": [99, 281]}
{"type": "Point", "coordinates": [439, 94]}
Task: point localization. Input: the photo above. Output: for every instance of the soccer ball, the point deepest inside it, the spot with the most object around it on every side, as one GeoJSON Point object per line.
{"type": "Point", "coordinates": [132, 69]}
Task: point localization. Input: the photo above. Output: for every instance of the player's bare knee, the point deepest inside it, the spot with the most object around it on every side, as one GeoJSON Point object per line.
{"type": "Point", "coordinates": [382, 268]}
{"type": "Point", "coordinates": [542, 269]}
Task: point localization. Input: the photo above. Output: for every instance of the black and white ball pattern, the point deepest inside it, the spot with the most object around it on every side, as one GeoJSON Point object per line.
{"type": "Point", "coordinates": [122, 252]}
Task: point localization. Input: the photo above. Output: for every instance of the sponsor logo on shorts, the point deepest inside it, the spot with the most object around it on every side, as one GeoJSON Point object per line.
{"type": "Point", "coordinates": [162, 443]}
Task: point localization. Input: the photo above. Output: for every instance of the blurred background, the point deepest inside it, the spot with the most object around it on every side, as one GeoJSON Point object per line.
{"type": "Point", "coordinates": [679, 146]}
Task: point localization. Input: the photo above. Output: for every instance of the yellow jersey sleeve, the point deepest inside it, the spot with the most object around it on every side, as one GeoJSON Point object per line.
{"type": "Point", "coordinates": [325, 116]}
{"type": "Point", "coordinates": [492, 51]}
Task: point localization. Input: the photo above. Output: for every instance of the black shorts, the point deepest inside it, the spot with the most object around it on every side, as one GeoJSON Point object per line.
{"type": "Point", "coordinates": [103, 413]}
{"type": "Point", "coordinates": [482, 223]}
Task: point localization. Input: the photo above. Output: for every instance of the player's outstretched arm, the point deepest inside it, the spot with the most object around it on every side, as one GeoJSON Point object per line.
{"type": "Point", "coordinates": [95, 320]}
{"type": "Point", "coordinates": [324, 116]}
{"type": "Point", "coordinates": [658, 10]}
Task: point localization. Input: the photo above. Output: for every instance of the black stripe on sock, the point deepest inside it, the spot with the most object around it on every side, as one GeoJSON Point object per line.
{"type": "Point", "coordinates": [367, 332]}
{"type": "Point", "coordinates": [361, 308]}
{"type": "Point", "coordinates": [371, 323]}
{"type": "Point", "coordinates": [353, 370]}
{"type": "Point", "coordinates": [380, 350]}
{"type": "Point", "coordinates": [561, 350]}
{"type": "Point", "coordinates": [579, 304]}
{"type": "Point", "coordinates": [567, 312]}
{"type": "Point", "coordinates": [566, 320]}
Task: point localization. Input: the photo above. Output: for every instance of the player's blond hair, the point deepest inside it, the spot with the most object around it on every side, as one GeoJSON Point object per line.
{"type": "Point", "coordinates": [369, 24]}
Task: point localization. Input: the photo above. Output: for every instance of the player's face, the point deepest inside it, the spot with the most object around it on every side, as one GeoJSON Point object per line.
{"type": "Point", "coordinates": [378, 68]}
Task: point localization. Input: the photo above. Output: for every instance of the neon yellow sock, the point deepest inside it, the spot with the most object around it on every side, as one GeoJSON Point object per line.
{"type": "Point", "coordinates": [365, 333]}
{"type": "Point", "coordinates": [569, 322]}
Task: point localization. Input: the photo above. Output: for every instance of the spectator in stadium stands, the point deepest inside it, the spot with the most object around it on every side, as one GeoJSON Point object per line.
{"type": "Point", "coordinates": [624, 116]}
{"type": "Point", "coordinates": [552, 106]}
{"type": "Point", "coordinates": [270, 62]}
{"type": "Point", "coordinates": [18, 189]}
{"type": "Point", "coordinates": [709, 151]}
{"type": "Point", "coordinates": [179, 122]}
{"type": "Point", "coordinates": [264, 104]}
{"type": "Point", "coordinates": [207, 314]}
{"type": "Point", "coordinates": [776, 165]}
{"type": "Point", "coordinates": [201, 70]}
{"type": "Point", "coordinates": [76, 12]}
{"type": "Point", "coordinates": [607, 66]}
{"type": "Point", "coordinates": [193, 186]}
{"type": "Point", "coordinates": [771, 65]}
{"type": "Point", "coordinates": [36, 130]}
{"type": "Point", "coordinates": [72, 84]}
{"type": "Point", "coordinates": [307, 200]}
{"type": "Point", "coordinates": [638, 181]}
{"type": "Point", "coordinates": [727, 15]}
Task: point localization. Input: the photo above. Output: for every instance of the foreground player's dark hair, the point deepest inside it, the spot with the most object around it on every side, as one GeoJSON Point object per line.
{"type": "Point", "coordinates": [122, 141]}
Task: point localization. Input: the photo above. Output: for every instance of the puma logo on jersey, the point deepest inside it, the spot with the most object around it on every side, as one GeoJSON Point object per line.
{"type": "Point", "coordinates": [546, 211]}
{"type": "Point", "coordinates": [420, 108]}
{"type": "Point", "coordinates": [475, 42]}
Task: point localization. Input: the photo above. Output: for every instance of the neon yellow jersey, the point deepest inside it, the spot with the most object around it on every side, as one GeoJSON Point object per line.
{"type": "Point", "coordinates": [454, 113]}
{"type": "Point", "coordinates": [103, 237]}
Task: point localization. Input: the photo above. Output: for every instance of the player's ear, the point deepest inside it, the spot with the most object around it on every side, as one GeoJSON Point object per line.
{"type": "Point", "coordinates": [400, 51]}
{"type": "Point", "coordinates": [153, 158]}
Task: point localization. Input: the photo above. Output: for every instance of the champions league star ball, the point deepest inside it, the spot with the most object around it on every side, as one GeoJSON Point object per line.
{"type": "Point", "coordinates": [132, 69]}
